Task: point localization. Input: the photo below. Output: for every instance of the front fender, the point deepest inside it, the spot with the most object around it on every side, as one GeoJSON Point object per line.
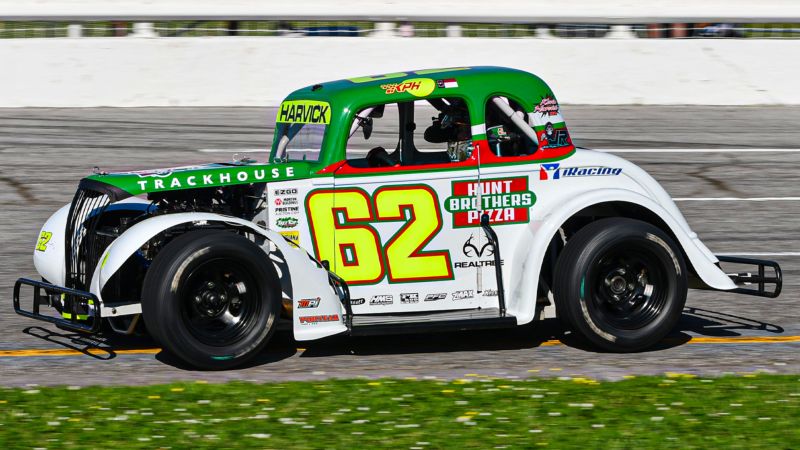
{"type": "Point", "coordinates": [306, 278]}
{"type": "Point", "coordinates": [530, 252]}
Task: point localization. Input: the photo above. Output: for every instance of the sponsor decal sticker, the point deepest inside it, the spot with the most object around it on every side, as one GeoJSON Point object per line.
{"type": "Point", "coordinates": [381, 300]}
{"type": "Point", "coordinates": [292, 236]}
{"type": "Point", "coordinates": [313, 320]}
{"type": "Point", "coordinates": [308, 303]}
{"type": "Point", "coordinates": [411, 297]}
{"type": "Point", "coordinates": [287, 210]}
{"type": "Point", "coordinates": [287, 222]}
{"type": "Point", "coordinates": [476, 250]}
{"type": "Point", "coordinates": [548, 106]}
{"type": "Point", "coordinates": [554, 171]}
{"type": "Point", "coordinates": [44, 239]}
{"type": "Point", "coordinates": [357, 301]}
{"type": "Point", "coordinates": [505, 200]}
{"type": "Point", "coordinates": [490, 293]}
{"type": "Point", "coordinates": [435, 297]}
{"type": "Point", "coordinates": [470, 249]}
{"type": "Point", "coordinates": [463, 295]}
{"type": "Point", "coordinates": [291, 191]}
{"type": "Point", "coordinates": [447, 83]}
{"type": "Point", "coordinates": [304, 111]}
{"type": "Point", "coordinates": [211, 177]}
{"type": "Point", "coordinates": [553, 136]}
{"type": "Point", "coordinates": [288, 201]}
{"type": "Point", "coordinates": [418, 87]}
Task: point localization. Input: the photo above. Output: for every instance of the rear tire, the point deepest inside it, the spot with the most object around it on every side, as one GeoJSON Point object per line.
{"type": "Point", "coordinates": [211, 298]}
{"type": "Point", "coordinates": [621, 283]}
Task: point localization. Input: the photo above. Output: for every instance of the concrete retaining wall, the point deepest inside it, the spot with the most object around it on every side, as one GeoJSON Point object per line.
{"type": "Point", "coordinates": [228, 71]}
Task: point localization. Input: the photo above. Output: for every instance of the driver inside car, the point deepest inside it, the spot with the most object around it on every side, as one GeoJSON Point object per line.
{"type": "Point", "coordinates": [452, 126]}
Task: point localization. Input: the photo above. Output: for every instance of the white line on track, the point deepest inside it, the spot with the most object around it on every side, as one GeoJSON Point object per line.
{"type": "Point", "coordinates": [604, 150]}
{"type": "Point", "coordinates": [736, 199]}
{"type": "Point", "coordinates": [697, 150]}
{"type": "Point", "coordinates": [233, 150]}
{"type": "Point", "coordinates": [759, 254]}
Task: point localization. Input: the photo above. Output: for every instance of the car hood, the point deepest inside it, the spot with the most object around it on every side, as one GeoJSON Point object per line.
{"type": "Point", "coordinates": [126, 184]}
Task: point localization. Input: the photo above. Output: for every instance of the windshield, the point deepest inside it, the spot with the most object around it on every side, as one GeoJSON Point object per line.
{"type": "Point", "coordinates": [301, 126]}
{"type": "Point", "coordinates": [299, 141]}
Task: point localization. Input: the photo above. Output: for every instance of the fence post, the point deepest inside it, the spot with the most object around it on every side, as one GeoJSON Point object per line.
{"type": "Point", "coordinates": [144, 29]}
{"type": "Point", "coordinates": [74, 30]}
{"type": "Point", "coordinates": [454, 30]}
{"type": "Point", "coordinates": [621, 32]}
{"type": "Point", "coordinates": [384, 29]}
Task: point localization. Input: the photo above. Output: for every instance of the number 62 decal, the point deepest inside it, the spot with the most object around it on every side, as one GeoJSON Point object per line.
{"type": "Point", "coordinates": [340, 222]}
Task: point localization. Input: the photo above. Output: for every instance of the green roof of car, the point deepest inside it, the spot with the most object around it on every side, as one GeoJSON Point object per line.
{"type": "Point", "coordinates": [472, 83]}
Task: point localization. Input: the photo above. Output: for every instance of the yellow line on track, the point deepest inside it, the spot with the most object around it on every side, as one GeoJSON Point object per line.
{"type": "Point", "coordinates": [548, 343]}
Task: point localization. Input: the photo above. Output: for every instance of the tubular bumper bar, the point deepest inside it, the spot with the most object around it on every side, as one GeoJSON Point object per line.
{"type": "Point", "coordinates": [76, 304]}
{"type": "Point", "coordinates": [757, 278]}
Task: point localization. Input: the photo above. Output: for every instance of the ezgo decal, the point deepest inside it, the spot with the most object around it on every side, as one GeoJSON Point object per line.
{"type": "Point", "coordinates": [505, 200]}
{"type": "Point", "coordinates": [418, 87]}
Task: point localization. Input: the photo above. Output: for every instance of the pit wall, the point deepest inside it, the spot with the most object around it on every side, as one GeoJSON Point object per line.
{"type": "Point", "coordinates": [242, 71]}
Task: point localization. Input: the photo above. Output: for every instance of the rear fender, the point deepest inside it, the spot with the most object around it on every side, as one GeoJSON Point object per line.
{"type": "Point", "coordinates": [528, 258]}
{"type": "Point", "coordinates": [301, 276]}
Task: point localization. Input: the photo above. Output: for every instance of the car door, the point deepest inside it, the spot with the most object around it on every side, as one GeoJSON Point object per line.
{"type": "Point", "coordinates": [397, 233]}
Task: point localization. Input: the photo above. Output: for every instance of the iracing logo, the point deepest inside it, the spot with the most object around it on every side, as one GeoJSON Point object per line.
{"type": "Point", "coordinates": [549, 171]}
{"type": "Point", "coordinates": [552, 171]}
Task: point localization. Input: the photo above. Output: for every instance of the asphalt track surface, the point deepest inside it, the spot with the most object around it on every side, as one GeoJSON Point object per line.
{"type": "Point", "coordinates": [44, 152]}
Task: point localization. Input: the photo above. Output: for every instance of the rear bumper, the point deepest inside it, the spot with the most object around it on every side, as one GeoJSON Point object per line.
{"type": "Point", "coordinates": [762, 279]}
{"type": "Point", "coordinates": [80, 310]}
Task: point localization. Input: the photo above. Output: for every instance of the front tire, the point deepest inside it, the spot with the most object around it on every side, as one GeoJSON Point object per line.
{"type": "Point", "coordinates": [211, 298]}
{"type": "Point", "coordinates": [621, 283]}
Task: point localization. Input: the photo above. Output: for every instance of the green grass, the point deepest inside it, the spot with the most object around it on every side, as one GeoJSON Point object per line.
{"type": "Point", "coordinates": [664, 412]}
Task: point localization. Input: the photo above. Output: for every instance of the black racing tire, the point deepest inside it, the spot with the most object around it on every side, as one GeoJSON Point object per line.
{"type": "Point", "coordinates": [211, 298]}
{"type": "Point", "coordinates": [621, 283]}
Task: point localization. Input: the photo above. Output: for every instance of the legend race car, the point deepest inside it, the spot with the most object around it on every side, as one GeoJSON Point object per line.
{"type": "Point", "coordinates": [410, 202]}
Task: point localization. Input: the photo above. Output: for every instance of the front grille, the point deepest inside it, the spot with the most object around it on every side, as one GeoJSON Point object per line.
{"type": "Point", "coordinates": [82, 244]}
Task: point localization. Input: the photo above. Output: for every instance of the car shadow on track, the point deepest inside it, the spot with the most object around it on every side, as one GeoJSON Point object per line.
{"type": "Point", "coordinates": [550, 332]}
{"type": "Point", "coordinates": [717, 324]}
{"type": "Point", "coordinates": [102, 347]}
{"type": "Point", "coordinates": [693, 322]}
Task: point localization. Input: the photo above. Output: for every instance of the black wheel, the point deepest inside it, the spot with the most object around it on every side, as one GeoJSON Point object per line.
{"type": "Point", "coordinates": [211, 298]}
{"type": "Point", "coordinates": [621, 283]}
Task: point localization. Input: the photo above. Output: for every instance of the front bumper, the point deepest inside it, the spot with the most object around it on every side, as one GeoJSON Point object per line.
{"type": "Point", "coordinates": [80, 311]}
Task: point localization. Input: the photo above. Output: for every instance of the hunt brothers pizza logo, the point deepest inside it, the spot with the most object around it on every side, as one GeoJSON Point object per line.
{"type": "Point", "coordinates": [505, 200]}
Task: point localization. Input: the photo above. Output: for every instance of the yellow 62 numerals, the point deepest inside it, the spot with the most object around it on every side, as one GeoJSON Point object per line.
{"type": "Point", "coordinates": [340, 227]}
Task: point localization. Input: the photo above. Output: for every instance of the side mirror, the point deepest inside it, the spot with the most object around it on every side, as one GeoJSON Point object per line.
{"type": "Point", "coordinates": [366, 126]}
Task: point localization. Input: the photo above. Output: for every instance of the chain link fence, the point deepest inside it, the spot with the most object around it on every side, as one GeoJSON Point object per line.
{"type": "Point", "coordinates": [20, 30]}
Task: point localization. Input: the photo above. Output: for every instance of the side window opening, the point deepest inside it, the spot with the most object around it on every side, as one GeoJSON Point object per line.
{"type": "Point", "coordinates": [389, 135]}
{"type": "Point", "coordinates": [507, 128]}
